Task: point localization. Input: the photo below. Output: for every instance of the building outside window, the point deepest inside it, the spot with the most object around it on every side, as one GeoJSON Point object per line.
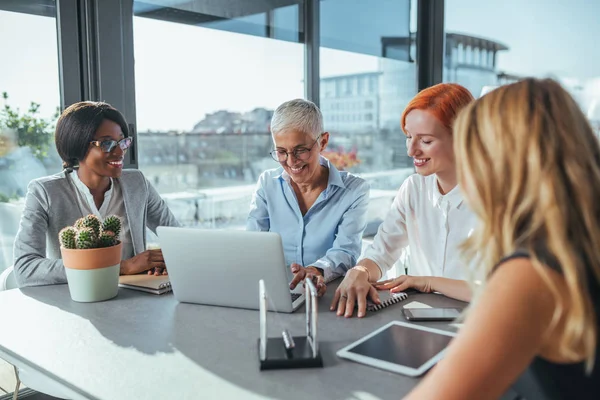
{"type": "Point", "coordinates": [496, 42]}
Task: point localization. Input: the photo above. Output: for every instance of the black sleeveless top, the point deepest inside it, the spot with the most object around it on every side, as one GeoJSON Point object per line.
{"type": "Point", "coordinates": [547, 380]}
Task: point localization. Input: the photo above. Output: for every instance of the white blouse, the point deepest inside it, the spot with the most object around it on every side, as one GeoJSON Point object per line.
{"type": "Point", "coordinates": [113, 204]}
{"type": "Point", "coordinates": [432, 225]}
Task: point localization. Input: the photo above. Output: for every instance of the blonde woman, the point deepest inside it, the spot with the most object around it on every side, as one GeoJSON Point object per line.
{"type": "Point", "coordinates": [530, 169]}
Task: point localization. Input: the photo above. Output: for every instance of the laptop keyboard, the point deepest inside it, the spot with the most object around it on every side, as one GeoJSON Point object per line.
{"type": "Point", "coordinates": [295, 296]}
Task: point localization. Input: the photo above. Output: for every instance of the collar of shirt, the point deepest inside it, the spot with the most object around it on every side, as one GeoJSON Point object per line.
{"type": "Point", "coordinates": [335, 178]}
{"type": "Point", "coordinates": [85, 191]}
{"type": "Point", "coordinates": [454, 197]}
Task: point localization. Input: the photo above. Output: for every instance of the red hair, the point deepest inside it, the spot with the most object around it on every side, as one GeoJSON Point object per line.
{"type": "Point", "coordinates": [443, 101]}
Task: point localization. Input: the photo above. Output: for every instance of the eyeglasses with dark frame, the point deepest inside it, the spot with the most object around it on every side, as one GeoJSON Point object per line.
{"type": "Point", "coordinates": [301, 153]}
{"type": "Point", "coordinates": [109, 145]}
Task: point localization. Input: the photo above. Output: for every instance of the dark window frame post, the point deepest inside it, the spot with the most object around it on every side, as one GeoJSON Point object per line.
{"type": "Point", "coordinates": [430, 43]}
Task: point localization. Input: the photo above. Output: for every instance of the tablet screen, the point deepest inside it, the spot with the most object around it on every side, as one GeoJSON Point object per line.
{"type": "Point", "coordinates": [398, 344]}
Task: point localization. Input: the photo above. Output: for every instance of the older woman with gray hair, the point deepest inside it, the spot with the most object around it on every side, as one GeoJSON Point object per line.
{"type": "Point", "coordinates": [319, 212]}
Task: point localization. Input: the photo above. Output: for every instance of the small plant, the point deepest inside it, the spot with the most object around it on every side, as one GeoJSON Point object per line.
{"type": "Point", "coordinates": [112, 223]}
{"type": "Point", "coordinates": [67, 237]}
{"type": "Point", "coordinates": [90, 233]}
{"type": "Point", "coordinates": [90, 221]}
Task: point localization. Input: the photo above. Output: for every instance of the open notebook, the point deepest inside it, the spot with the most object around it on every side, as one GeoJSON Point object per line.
{"type": "Point", "coordinates": [146, 283]}
{"type": "Point", "coordinates": [387, 299]}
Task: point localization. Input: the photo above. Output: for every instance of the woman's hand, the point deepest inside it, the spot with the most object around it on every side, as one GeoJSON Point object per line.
{"type": "Point", "coordinates": [301, 273]}
{"type": "Point", "coordinates": [403, 282]}
{"type": "Point", "coordinates": [158, 271]}
{"type": "Point", "coordinates": [354, 289]}
{"type": "Point", "coordinates": [149, 260]}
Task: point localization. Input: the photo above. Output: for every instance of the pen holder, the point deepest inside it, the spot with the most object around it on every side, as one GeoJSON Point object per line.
{"type": "Point", "coordinates": [288, 352]}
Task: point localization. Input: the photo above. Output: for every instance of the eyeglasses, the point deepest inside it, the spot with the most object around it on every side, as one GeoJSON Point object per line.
{"type": "Point", "coordinates": [301, 153]}
{"type": "Point", "coordinates": [108, 145]}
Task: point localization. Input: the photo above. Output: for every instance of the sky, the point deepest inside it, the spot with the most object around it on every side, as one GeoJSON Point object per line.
{"type": "Point", "coordinates": [544, 36]}
{"type": "Point", "coordinates": [183, 72]}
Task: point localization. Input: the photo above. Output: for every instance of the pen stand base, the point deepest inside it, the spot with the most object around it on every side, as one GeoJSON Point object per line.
{"type": "Point", "coordinates": [278, 357]}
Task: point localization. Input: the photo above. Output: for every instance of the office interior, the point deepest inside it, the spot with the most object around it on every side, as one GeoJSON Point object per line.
{"type": "Point", "coordinates": [198, 82]}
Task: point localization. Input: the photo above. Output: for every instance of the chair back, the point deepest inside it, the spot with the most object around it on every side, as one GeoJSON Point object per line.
{"type": "Point", "coordinates": [10, 215]}
{"type": "Point", "coordinates": [7, 279]}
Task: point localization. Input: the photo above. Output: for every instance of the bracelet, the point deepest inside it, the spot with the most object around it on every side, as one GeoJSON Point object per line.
{"type": "Point", "coordinates": [363, 268]}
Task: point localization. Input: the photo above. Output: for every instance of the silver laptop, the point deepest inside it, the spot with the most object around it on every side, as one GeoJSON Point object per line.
{"type": "Point", "coordinates": [223, 267]}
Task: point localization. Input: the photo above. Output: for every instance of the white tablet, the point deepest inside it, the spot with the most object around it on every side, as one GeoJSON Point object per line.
{"type": "Point", "coordinates": [400, 347]}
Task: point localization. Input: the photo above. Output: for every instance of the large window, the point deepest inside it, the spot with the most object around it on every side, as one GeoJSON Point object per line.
{"type": "Point", "coordinates": [30, 96]}
{"type": "Point", "coordinates": [368, 75]}
{"type": "Point", "coordinates": [208, 78]}
{"type": "Point", "coordinates": [207, 81]}
{"type": "Point", "coordinates": [497, 42]}
{"type": "Point", "coordinates": [29, 100]}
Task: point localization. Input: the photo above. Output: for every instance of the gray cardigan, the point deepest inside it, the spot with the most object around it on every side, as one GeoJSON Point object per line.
{"type": "Point", "coordinates": [51, 204]}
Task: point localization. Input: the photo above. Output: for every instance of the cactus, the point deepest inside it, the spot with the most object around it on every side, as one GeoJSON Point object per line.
{"type": "Point", "coordinates": [67, 237]}
{"type": "Point", "coordinates": [78, 224]}
{"type": "Point", "coordinates": [112, 223]}
{"type": "Point", "coordinates": [90, 221]}
{"type": "Point", "coordinates": [86, 238]}
{"type": "Point", "coordinates": [89, 233]}
{"type": "Point", "coordinates": [107, 239]}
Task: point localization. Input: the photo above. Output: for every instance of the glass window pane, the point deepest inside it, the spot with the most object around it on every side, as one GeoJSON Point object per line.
{"type": "Point", "coordinates": [277, 19]}
{"type": "Point", "coordinates": [500, 41]}
{"type": "Point", "coordinates": [378, 27]}
{"type": "Point", "coordinates": [204, 99]}
{"type": "Point", "coordinates": [363, 95]}
{"type": "Point", "coordinates": [29, 84]}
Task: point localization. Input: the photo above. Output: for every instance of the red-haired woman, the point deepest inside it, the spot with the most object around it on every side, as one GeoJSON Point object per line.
{"type": "Point", "coordinates": [428, 214]}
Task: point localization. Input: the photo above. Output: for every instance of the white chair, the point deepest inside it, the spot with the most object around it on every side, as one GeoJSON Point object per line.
{"type": "Point", "coordinates": [10, 215]}
{"type": "Point", "coordinates": [7, 279]}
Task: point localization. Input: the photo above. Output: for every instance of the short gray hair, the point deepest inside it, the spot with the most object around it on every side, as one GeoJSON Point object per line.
{"type": "Point", "coordinates": [298, 114]}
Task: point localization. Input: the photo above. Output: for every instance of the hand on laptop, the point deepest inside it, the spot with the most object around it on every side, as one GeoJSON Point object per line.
{"type": "Point", "coordinates": [149, 260]}
{"type": "Point", "coordinates": [354, 289]}
{"type": "Point", "coordinates": [301, 273]}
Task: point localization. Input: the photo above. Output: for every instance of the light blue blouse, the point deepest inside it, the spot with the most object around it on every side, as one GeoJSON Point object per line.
{"type": "Point", "coordinates": [329, 235]}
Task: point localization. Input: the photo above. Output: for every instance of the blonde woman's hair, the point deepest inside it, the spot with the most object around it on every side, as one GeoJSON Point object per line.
{"type": "Point", "coordinates": [530, 169]}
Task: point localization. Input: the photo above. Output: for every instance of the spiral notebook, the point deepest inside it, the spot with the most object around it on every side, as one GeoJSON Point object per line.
{"type": "Point", "coordinates": [146, 283]}
{"type": "Point", "coordinates": [387, 299]}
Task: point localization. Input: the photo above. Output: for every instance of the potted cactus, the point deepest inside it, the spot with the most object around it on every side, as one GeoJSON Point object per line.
{"type": "Point", "coordinates": [91, 253]}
